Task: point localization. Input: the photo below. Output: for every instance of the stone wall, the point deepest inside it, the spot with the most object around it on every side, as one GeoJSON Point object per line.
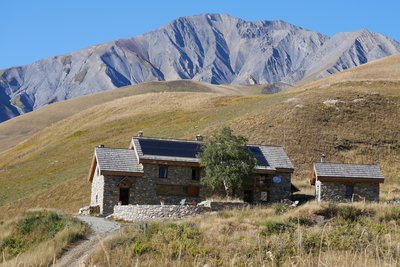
{"type": "Point", "coordinates": [337, 192]}
{"type": "Point", "coordinates": [97, 192]}
{"type": "Point", "coordinates": [155, 212]}
{"type": "Point", "coordinates": [276, 191]}
{"type": "Point", "coordinates": [143, 190]}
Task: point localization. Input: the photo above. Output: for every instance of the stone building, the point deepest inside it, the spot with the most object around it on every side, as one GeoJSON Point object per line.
{"type": "Point", "coordinates": [154, 170]}
{"type": "Point", "coordinates": [346, 182]}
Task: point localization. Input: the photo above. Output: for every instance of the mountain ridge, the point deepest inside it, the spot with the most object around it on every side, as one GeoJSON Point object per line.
{"type": "Point", "coordinates": [213, 48]}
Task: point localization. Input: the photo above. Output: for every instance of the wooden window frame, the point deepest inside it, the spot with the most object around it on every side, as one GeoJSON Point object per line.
{"type": "Point", "coordinates": [166, 171]}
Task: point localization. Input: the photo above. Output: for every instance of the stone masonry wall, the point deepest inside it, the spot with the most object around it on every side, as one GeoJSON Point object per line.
{"type": "Point", "coordinates": [155, 212]}
{"type": "Point", "coordinates": [283, 189]}
{"type": "Point", "coordinates": [337, 192]}
{"type": "Point", "coordinates": [177, 175]}
{"type": "Point", "coordinates": [276, 192]}
{"type": "Point", "coordinates": [97, 192]}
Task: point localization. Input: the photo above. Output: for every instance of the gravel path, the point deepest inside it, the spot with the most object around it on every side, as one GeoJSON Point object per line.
{"type": "Point", "coordinates": [77, 254]}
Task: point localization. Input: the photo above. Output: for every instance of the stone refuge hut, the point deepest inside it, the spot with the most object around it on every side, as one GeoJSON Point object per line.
{"type": "Point", "coordinates": [154, 170]}
{"type": "Point", "coordinates": [346, 182]}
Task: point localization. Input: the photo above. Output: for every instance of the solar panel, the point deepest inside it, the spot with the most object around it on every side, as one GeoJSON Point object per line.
{"type": "Point", "coordinates": [258, 155]}
{"type": "Point", "coordinates": [169, 148]}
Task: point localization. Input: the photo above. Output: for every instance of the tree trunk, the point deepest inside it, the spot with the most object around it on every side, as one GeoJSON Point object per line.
{"type": "Point", "coordinates": [228, 190]}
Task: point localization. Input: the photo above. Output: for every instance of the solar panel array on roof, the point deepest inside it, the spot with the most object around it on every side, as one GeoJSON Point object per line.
{"type": "Point", "coordinates": [169, 148]}
{"type": "Point", "coordinates": [258, 155]}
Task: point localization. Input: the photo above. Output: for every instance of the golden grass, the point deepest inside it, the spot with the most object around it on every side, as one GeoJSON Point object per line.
{"type": "Point", "coordinates": [359, 235]}
{"type": "Point", "coordinates": [386, 69]}
{"type": "Point", "coordinates": [38, 237]}
{"type": "Point", "coordinates": [49, 168]}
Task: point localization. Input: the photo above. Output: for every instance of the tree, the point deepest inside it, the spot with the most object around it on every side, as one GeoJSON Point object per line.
{"type": "Point", "coordinates": [226, 161]}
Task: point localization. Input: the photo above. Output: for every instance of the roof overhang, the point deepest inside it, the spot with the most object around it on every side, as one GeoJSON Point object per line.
{"type": "Point", "coordinates": [173, 162]}
{"type": "Point", "coordinates": [92, 168]}
{"type": "Point", "coordinates": [121, 173]}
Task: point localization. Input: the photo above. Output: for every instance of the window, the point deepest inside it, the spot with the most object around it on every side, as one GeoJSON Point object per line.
{"type": "Point", "coordinates": [196, 174]}
{"type": "Point", "coordinates": [97, 199]}
{"type": "Point", "coordinates": [349, 190]}
{"type": "Point", "coordinates": [163, 172]}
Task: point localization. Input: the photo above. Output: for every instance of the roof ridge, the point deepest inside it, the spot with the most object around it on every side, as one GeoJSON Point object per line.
{"type": "Point", "coordinates": [121, 148]}
{"type": "Point", "coordinates": [338, 163]}
{"type": "Point", "coordinates": [193, 141]}
{"type": "Point", "coordinates": [166, 139]}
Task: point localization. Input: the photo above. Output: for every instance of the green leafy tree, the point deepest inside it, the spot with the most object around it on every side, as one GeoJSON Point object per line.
{"type": "Point", "coordinates": [226, 161]}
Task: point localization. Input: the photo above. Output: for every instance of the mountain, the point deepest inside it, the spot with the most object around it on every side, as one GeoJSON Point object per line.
{"type": "Point", "coordinates": [213, 48]}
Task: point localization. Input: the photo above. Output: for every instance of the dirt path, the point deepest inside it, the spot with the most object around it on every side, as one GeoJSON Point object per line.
{"type": "Point", "coordinates": [77, 254]}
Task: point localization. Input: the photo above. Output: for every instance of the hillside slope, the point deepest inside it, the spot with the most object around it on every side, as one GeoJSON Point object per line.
{"type": "Point", "coordinates": [20, 128]}
{"type": "Point", "coordinates": [349, 122]}
{"type": "Point", "coordinates": [386, 69]}
{"type": "Point", "coordinates": [214, 48]}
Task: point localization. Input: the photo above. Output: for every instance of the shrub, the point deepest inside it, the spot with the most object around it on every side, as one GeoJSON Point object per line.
{"type": "Point", "coordinates": [346, 212]}
{"type": "Point", "coordinates": [272, 227]}
{"type": "Point", "coordinates": [302, 220]}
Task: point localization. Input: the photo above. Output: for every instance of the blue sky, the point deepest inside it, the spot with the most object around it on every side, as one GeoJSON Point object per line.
{"type": "Point", "coordinates": [32, 30]}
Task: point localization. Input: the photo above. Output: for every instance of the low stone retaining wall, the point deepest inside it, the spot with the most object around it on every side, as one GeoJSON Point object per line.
{"type": "Point", "coordinates": [223, 205]}
{"type": "Point", "coordinates": [154, 212]}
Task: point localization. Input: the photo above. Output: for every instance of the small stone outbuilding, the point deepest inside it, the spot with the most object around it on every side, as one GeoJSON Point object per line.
{"type": "Point", "coordinates": [346, 182]}
{"type": "Point", "coordinates": [155, 170]}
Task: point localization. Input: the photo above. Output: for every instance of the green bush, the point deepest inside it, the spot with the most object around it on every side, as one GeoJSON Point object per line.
{"type": "Point", "coordinates": [139, 247]}
{"type": "Point", "coordinates": [346, 212]}
{"type": "Point", "coordinates": [36, 227]}
{"type": "Point", "coordinates": [302, 220]}
{"type": "Point", "coordinates": [272, 227]}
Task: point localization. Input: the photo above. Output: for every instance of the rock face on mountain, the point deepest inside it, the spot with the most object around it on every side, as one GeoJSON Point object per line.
{"type": "Point", "coordinates": [213, 48]}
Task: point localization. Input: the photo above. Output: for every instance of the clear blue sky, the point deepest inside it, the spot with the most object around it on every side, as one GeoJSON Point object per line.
{"type": "Point", "coordinates": [35, 29]}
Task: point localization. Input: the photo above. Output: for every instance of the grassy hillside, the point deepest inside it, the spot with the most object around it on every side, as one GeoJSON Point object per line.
{"type": "Point", "coordinates": [349, 122]}
{"type": "Point", "coordinates": [310, 235]}
{"type": "Point", "coordinates": [38, 237]}
{"type": "Point", "coordinates": [20, 128]}
{"type": "Point", "coordinates": [386, 69]}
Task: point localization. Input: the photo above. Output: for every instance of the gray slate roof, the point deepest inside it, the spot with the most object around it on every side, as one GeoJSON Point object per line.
{"type": "Point", "coordinates": [276, 157]}
{"type": "Point", "coordinates": [117, 159]}
{"type": "Point", "coordinates": [348, 170]}
{"type": "Point", "coordinates": [186, 151]}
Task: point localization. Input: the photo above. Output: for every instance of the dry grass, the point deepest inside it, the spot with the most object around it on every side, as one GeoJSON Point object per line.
{"type": "Point", "coordinates": [386, 69]}
{"type": "Point", "coordinates": [311, 235]}
{"type": "Point", "coordinates": [38, 237]}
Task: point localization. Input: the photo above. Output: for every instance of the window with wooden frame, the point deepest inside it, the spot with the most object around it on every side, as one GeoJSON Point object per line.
{"type": "Point", "coordinates": [196, 174]}
{"type": "Point", "coordinates": [163, 172]}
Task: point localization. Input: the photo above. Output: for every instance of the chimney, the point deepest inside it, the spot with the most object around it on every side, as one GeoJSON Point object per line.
{"type": "Point", "coordinates": [140, 134]}
{"type": "Point", "coordinates": [199, 137]}
{"type": "Point", "coordinates": [101, 146]}
{"type": "Point", "coordinates": [323, 158]}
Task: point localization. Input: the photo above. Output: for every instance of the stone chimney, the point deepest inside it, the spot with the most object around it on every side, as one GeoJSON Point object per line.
{"type": "Point", "coordinates": [199, 137]}
{"type": "Point", "coordinates": [100, 146]}
{"type": "Point", "coordinates": [140, 134]}
{"type": "Point", "coordinates": [323, 158]}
